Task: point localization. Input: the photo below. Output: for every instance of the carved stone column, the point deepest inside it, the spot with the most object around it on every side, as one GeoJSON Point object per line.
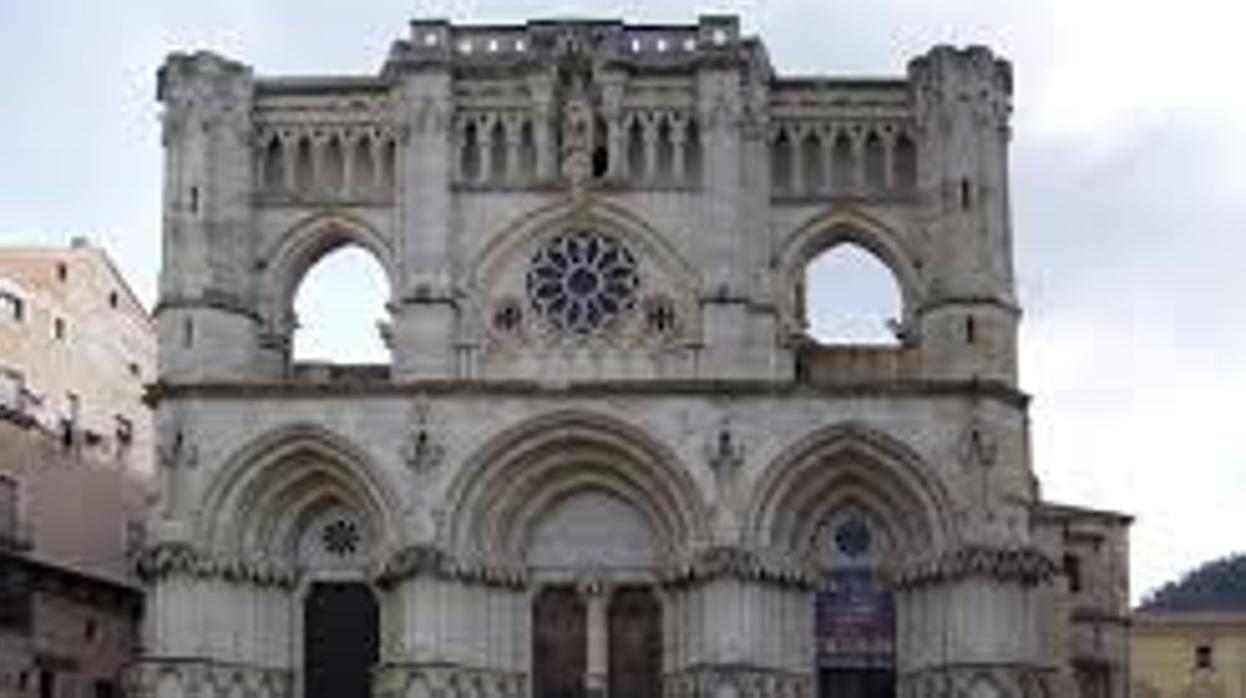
{"type": "Point", "coordinates": [596, 595]}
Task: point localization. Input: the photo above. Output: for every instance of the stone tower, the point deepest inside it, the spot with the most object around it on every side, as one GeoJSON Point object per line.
{"type": "Point", "coordinates": [606, 458]}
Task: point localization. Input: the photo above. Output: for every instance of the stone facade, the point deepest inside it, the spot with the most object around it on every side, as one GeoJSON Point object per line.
{"type": "Point", "coordinates": [76, 350]}
{"type": "Point", "coordinates": [601, 387]}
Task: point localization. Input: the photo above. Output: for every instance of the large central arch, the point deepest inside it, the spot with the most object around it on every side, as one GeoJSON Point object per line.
{"type": "Point", "coordinates": [529, 468]}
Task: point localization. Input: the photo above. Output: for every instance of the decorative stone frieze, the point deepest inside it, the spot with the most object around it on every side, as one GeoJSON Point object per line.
{"type": "Point", "coordinates": [736, 681]}
{"type": "Point", "coordinates": [173, 559]}
{"type": "Point", "coordinates": [970, 681]}
{"type": "Point", "coordinates": [414, 680]}
{"type": "Point", "coordinates": [1024, 565]}
{"type": "Point", "coordinates": [738, 563]}
{"type": "Point", "coordinates": [427, 560]}
{"type": "Point", "coordinates": [154, 677]}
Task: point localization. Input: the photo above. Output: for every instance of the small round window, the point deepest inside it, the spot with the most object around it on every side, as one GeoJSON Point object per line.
{"type": "Point", "coordinates": [581, 281]}
{"type": "Point", "coordinates": [853, 537]}
{"type": "Point", "coordinates": [340, 537]}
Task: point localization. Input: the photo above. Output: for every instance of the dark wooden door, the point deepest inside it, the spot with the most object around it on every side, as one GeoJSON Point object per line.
{"type": "Point", "coordinates": [559, 632]}
{"type": "Point", "coordinates": [339, 641]}
{"type": "Point", "coordinates": [635, 644]}
{"type": "Point", "coordinates": [857, 683]}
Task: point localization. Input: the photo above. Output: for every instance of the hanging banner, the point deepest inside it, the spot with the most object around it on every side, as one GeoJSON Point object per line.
{"type": "Point", "coordinates": [855, 622]}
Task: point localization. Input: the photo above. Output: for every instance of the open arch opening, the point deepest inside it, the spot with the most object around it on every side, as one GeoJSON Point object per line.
{"type": "Point", "coordinates": [850, 297]}
{"type": "Point", "coordinates": [340, 310]}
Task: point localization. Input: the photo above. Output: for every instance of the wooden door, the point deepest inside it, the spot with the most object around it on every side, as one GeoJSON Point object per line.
{"type": "Point", "coordinates": [559, 634]}
{"type": "Point", "coordinates": [635, 644]}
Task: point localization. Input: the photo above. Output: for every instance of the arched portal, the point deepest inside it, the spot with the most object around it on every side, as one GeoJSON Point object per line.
{"type": "Point", "coordinates": [592, 507]}
{"type": "Point", "coordinates": [857, 504]}
{"type": "Point", "coordinates": [310, 502]}
{"type": "Point", "coordinates": [854, 613]}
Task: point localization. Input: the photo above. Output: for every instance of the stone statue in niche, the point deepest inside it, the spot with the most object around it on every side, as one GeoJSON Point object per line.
{"type": "Point", "coordinates": [422, 451]}
{"type": "Point", "coordinates": [577, 134]}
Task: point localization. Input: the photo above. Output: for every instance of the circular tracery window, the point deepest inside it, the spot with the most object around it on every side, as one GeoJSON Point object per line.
{"type": "Point", "coordinates": [340, 537]}
{"type": "Point", "coordinates": [853, 537]}
{"type": "Point", "coordinates": [583, 280]}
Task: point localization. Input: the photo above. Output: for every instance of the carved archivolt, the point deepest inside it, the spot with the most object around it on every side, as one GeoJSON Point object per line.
{"type": "Point", "coordinates": [270, 493]}
{"type": "Point", "coordinates": [848, 466]}
{"type": "Point", "coordinates": [499, 491]}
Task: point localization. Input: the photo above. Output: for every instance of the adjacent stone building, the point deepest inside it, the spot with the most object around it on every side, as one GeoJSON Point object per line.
{"type": "Point", "coordinates": [606, 458]}
{"type": "Point", "coordinates": [75, 463]}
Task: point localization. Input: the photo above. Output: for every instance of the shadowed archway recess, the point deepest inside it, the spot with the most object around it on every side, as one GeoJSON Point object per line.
{"type": "Point", "coordinates": [261, 499]}
{"type": "Point", "coordinates": [519, 474]}
{"type": "Point", "coordinates": [848, 465]}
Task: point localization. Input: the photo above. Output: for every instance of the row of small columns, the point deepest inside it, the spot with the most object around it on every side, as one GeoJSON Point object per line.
{"type": "Point", "coordinates": [844, 161]}
{"type": "Point", "coordinates": [640, 133]}
{"type": "Point", "coordinates": [313, 174]}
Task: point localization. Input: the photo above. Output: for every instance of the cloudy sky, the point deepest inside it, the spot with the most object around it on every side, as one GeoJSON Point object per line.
{"type": "Point", "coordinates": [1129, 182]}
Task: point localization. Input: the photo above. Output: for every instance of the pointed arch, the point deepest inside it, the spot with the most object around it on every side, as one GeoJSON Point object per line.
{"type": "Point", "coordinates": [553, 218]}
{"type": "Point", "coordinates": [288, 259]}
{"type": "Point", "coordinates": [838, 224]}
{"type": "Point", "coordinates": [265, 491]}
{"type": "Point", "coordinates": [848, 465]}
{"type": "Point", "coordinates": [501, 490]}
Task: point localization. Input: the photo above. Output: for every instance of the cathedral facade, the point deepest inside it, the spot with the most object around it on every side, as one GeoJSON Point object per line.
{"type": "Point", "coordinates": [607, 458]}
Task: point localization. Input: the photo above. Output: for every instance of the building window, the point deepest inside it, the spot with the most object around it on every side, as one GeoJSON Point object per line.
{"type": "Point", "coordinates": [1203, 657]}
{"type": "Point", "coordinates": [12, 389]}
{"type": "Point", "coordinates": [1073, 570]}
{"type": "Point", "coordinates": [8, 510]}
{"type": "Point", "coordinates": [62, 271]}
{"type": "Point", "coordinates": [90, 630]}
{"type": "Point", "coordinates": [58, 329]}
{"type": "Point", "coordinates": [113, 299]}
{"type": "Point", "coordinates": [132, 367]}
{"type": "Point", "coordinates": [12, 307]}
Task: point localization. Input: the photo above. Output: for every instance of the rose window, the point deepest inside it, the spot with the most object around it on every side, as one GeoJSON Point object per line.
{"type": "Point", "coordinates": [582, 281]}
{"type": "Point", "coordinates": [853, 537]}
{"type": "Point", "coordinates": [340, 537]}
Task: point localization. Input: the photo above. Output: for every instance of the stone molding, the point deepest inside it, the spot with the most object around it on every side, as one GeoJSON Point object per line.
{"type": "Point", "coordinates": [421, 680]}
{"type": "Point", "coordinates": [738, 680]}
{"type": "Point", "coordinates": [959, 681]}
{"type": "Point", "coordinates": [956, 389]}
{"type": "Point", "coordinates": [1023, 565]}
{"type": "Point", "coordinates": [729, 562]}
{"type": "Point", "coordinates": [203, 678]}
{"type": "Point", "coordinates": [426, 560]}
{"type": "Point", "coordinates": [174, 559]}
